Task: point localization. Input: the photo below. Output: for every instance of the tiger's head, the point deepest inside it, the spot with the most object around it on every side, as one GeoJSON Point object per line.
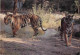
{"type": "Point", "coordinates": [7, 19]}
{"type": "Point", "coordinates": [69, 18]}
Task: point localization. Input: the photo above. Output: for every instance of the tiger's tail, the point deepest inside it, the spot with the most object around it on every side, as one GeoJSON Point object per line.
{"type": "Point", "coordinates": [41, 24]}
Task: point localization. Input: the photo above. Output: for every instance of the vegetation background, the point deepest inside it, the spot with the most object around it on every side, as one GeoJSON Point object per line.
{"type": "Point", "coordinates": [48, 10]}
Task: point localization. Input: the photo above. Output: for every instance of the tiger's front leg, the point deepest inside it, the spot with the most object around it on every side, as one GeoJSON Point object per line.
{"type": "Point", "coordinates": [71, 35]}
{"type": "Point", "coordinates": [61, 34]}
{"type": "Point", "coordinates": [14, 32]}
{"type": "Point", "coordinates": [66, 39]}
{"type": "Point", "coordinates": [70, 39]}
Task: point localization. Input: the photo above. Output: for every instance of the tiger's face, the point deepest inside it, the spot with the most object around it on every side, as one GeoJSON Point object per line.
{"type": "Point", "coordinates": [7, 19]}
{"type": "Point", "coordinates": [69, 18]}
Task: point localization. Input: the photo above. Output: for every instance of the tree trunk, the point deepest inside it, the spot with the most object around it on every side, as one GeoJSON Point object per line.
{"type": "Point", "coordinates": [78, 9]}
{"type": "Point", "coordinates": [58, 4]}
{"type": "Point", "coordinates": [15, 7]}
{"type": "Point", "coordinates": [0, 5]}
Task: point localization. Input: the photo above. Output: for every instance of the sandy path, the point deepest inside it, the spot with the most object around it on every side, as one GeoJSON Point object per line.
{"type": "Point", "coordinates": [41, 45]}
{"type": "Point", "coordinates": [23, 44]}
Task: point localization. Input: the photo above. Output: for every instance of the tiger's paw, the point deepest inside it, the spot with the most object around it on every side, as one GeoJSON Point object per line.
{"type": "Point", "coordinates": [68, 45]}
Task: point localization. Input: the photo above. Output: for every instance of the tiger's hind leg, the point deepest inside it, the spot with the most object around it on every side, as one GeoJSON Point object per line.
{"type": "Point", "coordinates": [25, 23]}
{"type": "Point", "coordinates": [35, 31]}
{"type": "Point", "coordinates": [15, 30]}
{"type": "Point", "coordinates": [61, 34]}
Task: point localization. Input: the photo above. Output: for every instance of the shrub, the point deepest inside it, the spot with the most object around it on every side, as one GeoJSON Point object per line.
{"type": "Point", "coordinates": [47, 16]}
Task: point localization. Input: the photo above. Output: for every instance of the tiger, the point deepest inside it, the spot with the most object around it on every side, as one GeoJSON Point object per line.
{"type": "Point", "coordinates": [20, 21]}
{"type": "Point", "coordinates": [35, 22]}
{"type": "Point", "coordinates": [67, 28]}
{"type": "Point", "coordinates": [16, 22]}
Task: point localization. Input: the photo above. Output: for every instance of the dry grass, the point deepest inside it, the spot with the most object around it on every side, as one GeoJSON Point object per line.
{"type": "Point", "coordinates": [48, 17]}
{"type": "Point", "coordinates": [2, 22]}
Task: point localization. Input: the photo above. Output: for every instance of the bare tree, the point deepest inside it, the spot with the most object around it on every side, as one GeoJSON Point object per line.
{"type": "Point", "coordinates": [78, 5]}
{"type": "Point", "coordinates": [15, 6]}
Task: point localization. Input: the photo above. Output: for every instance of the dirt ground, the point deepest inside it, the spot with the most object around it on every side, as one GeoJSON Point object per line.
{"type": "Point", "coordinates": [47, 43]}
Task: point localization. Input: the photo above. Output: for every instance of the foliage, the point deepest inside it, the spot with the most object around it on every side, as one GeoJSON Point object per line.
{"type": "Point", "coordinates": [47, 16]}
{"type": "Point", "coordinates": [62, 5]}
{"type": "Point", "coordinates": [28, 4]}
{"type": "Point", "coordinates": [8, 4]}
{"type": "Point", "coordinates": [78, 5]}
